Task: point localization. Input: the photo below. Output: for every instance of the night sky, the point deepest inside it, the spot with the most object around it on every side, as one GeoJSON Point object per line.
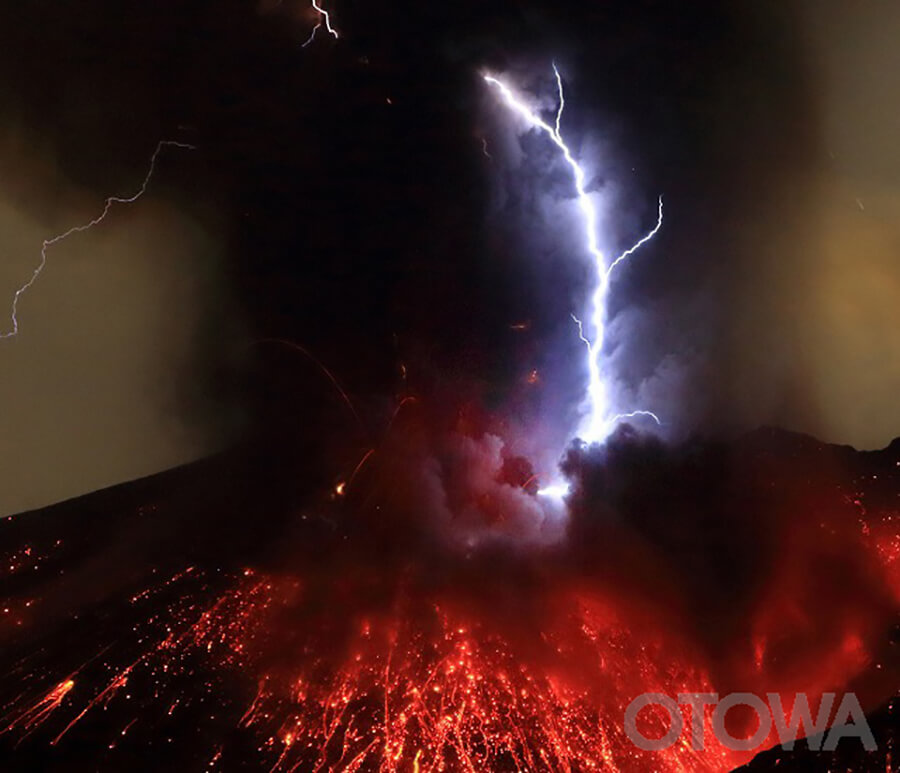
{"type": "Point", "coordinates": [339, 196]}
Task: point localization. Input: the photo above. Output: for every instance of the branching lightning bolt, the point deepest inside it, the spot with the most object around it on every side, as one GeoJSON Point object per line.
{"type": "Point", "coordinates": [48, 243]}
{"type": "Point", "coordinates": [325, 21]}
{"type": "Point", "coordinates": [597, 423]}
{"type": "Point", "coordinates": [634, 248]}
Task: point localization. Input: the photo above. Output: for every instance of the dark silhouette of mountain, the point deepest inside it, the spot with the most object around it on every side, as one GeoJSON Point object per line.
{"type": "Point", "coordinates": [848, 756]}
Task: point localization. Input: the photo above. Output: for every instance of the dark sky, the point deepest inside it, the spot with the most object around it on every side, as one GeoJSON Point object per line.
{"type": "Point", "coordinates": [338, 196]}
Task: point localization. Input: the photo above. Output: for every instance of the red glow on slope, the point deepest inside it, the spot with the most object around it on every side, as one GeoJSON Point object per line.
{"type": "Point", "coordinates": [393, 657]}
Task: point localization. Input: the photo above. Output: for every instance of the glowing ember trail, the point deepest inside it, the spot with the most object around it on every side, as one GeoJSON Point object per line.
{"type": "Point", "coordinates": [598, 421]}
{"type": "Point", "coordinates": [38, 712]}
{"type": "Point", "coordinates": [48, 243]}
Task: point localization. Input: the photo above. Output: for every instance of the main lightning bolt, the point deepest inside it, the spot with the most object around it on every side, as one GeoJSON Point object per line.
{"type": "Point", "coordinates": [598, 421]}
{"type": "Point", "coordinates": [325, 21]}
{"type": "Point", "coordinates": [48, 243]}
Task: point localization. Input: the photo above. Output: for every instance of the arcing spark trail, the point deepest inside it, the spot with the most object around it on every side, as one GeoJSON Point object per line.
{"type": "Point", "coordinates": [48, 243]}
{"type": "Point", "coordinates": [598, 421]}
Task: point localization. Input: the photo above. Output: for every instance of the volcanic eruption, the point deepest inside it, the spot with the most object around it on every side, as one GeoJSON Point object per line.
{"type": "Point", "coordinates": [463, 549]}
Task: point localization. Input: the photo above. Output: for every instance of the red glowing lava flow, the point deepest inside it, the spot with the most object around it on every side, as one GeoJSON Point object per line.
{"type": "Point", "coordinates": [442, 662]}
{"type": "Point", "coordinates": [429, 686]}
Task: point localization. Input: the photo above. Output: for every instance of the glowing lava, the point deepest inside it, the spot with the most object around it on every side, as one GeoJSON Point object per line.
{"type": "Point", "coordinates": [358, 658]}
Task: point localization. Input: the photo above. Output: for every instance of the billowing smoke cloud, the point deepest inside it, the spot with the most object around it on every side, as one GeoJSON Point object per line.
{"type": "Point", "coordinates": [462, 486]}
{"type": "Point", "coordinates": [747, 534]}
{"type": "Point", "coordinates": [755, 305]}
{"type": "Point", "coordinates": [750, 308]}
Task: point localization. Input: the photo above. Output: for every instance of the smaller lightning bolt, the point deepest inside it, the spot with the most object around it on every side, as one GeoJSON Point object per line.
{"type": "Point", "coordinates": [635, 247]}
{"type": "Point", "coordinates": [634, 414]}
{"type": "Point", "coordinates": [48, 243]}
{"type": "Point", "coordinates": [562, 99]}
{"type": "Point", "coordinates": [581, 334]}
{"type": "Point", "coordinates": [325, 20]}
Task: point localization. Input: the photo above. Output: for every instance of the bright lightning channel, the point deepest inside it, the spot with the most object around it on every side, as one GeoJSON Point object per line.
{"type": "Point", "coordinates": [558, 491]}
{"type": "Point", "coordinates": [325, 20]}
{"type": "Point", "coordinates": [598, 421]}
{"type": "Point", "coordinates": [48, 243]}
